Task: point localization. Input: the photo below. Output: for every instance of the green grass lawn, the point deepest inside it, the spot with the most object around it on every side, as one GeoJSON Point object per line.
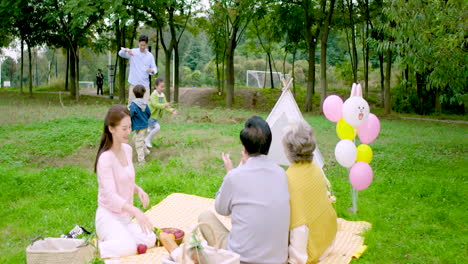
{"type": "Point", "coordinates": [416, 204]}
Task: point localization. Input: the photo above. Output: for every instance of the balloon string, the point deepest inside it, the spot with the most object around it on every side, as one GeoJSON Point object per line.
{"type": "Point", "coordinates": [354, 193]}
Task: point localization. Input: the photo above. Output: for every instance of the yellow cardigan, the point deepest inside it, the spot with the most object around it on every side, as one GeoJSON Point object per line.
{"type": "Point", "coordinates": [310, 206]}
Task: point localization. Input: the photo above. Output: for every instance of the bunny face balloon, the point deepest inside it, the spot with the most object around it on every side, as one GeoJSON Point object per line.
{"type": "Point", "coordinates": [355, 108]}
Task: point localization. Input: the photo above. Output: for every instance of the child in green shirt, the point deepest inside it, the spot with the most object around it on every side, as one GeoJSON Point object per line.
{"type": "Point", "coordinates": [158, 105]}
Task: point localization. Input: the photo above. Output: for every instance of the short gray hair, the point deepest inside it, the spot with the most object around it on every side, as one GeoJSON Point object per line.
{"type": "Point", "coordinates": [299, 142]}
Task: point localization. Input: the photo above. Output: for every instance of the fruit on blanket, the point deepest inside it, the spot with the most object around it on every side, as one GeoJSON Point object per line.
{"type": "Point", "coordinates": [174, 231]}
{"type": "Point", "coordinates": [177, 233]}
{"type": "Point", "coordinates": [141, 248]}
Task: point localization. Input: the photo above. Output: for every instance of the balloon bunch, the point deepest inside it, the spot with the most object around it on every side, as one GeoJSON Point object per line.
{"type": "Point", "coordinates": [353, 118]}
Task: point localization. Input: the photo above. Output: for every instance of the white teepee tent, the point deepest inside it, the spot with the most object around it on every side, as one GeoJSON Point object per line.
{"type": "Point", "coordinates": [285, 111]}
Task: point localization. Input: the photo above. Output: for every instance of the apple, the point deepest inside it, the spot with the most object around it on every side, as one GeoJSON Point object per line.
{"type": "Point", "coordinates": [141, 248]}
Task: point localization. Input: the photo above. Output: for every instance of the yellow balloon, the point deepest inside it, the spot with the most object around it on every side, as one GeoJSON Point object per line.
{"type": "Point", "coordinates": [345, 130]}
{"type": "Point", "coordinates": [364, 153]}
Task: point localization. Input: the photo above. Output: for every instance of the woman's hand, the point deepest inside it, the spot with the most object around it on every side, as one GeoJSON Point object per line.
{"type": "Point", "coordinates": [143, 197]}
{"type": "Point", "coordinates": [141, 218]}
{"type": "Point", "coordinates": [143, 221]}
{"type": "Point", "coordinates": [227, 161]}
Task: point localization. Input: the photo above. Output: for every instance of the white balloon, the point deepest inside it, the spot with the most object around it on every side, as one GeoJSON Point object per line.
{"type": "Point", "coordinates": [355, 111]}
{"type": "Point", "coordinates": [346, 153]}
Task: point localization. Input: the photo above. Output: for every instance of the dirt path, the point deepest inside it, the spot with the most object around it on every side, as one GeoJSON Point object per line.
{"type": "Point", "coordinates": [187, 96]}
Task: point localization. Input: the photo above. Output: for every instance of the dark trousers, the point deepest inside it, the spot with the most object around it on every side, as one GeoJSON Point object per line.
{"type": "Point", "coordinates": [99, 87]}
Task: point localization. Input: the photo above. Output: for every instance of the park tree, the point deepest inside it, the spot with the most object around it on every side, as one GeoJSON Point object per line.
{"type": "Point", "coordinates": [264, 31]}
{"type": "Point", "coordinates": [173, 16]}
{"type": "Point", "coordinates": [431, 41]}
{"type": "Point", "coordinates": [26, 19]}
{"type": "Point", "coordinates": [75, 21]}
{"type": "Point", "coordinates": [314, 19]}
{"type": "Point", "coordinates": [214, 26]}
{"type": "Point", "coordinates": [235, 16]}
{"type": "Point", "coordinates": [10, 66]}
{"type": "Point", "coordinates": [123, 20]}
{"type": "Point", "coordinates": [325, 31]}
{"type": "Point", "coordinates": [292, 33]}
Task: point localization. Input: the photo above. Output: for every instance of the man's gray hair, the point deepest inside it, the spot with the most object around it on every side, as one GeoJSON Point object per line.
{"type": "Point", "coordinates": [299, 142]}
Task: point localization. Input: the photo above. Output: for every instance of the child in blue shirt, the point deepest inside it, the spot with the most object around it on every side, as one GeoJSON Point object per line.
{"type": "Point", "coordinates": [140, 113]}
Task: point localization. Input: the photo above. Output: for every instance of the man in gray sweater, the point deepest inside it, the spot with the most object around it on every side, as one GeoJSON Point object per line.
{"type": "Point", "coordinates": [256, 196]}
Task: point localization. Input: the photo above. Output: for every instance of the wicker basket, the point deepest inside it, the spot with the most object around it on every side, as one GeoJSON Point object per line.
{"type": "Point", "coordinates": [59, 250]}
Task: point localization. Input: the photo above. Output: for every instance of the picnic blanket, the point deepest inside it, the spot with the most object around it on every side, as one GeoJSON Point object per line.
{"type": "Point", "coordinates": [182, 211]}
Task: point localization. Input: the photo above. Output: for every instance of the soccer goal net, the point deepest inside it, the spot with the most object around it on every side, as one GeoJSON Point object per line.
{"type": "Point", "coordinates": [262, 79]}
{"type": "Point", "coordinates": [86, 84]}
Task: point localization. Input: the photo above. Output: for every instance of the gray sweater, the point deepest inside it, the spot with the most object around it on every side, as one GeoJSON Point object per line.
{"type": "Point", "coordinates": [257, 198]}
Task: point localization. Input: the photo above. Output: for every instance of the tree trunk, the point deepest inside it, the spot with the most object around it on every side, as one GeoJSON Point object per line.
{"type": "Point", "coordinates": [352, 50]}
{"type": "Point", "coordinates": [72, 73]}
{"type": "Point", "coordinates": [218, 75]}
{"type": "Point", "coordinates": [310, 77]}
{"type": "Point", "coordinates": [176, 72]}
{"type": "Point", "coordinates": [77, 69]}
{"type": "Point", "coordinates": [293, 72]}
{"type": "Point", "coordinates": [388, 72]}
{"type": "Point", "coordinates": [366, 56]}
{"type": "Point", "coordinates": [50, 68]}
{"type": "Point", "coordinates": [382, 78]}
{"type": "Point", "coordinates": [419, 89]}
{"type": "Point", "coordinates": [365, 51]}
{"type": "Point", "coordinates": [406, 74]}
{"type": "Point", "coordinates": [22, 66]}
{"type": "Point", "coordinates": [323, 69]}
{"type": "Point", "coordinates": [438, 106]}
{"type": "Point", "coordinates": [271, 71]}
{"type": "Point", "coordinates": [156, 49]}
{"type": "Point", "coordinates": [30, 69]}
{"type": "Point", "coordinates": [231, 47]}
{"type": "Point", "coordinates": [67, 70]}
{"type": "Point", "coordinates": [323, 54]}
{"type": "Point", "coordinates": [167, 66]}
{"type": "Point", "coordinates": [35, 64]}
{"type": "Point", "coordinates": [122, 63]}
{"type": "Point", "coordinates": [167, 92]}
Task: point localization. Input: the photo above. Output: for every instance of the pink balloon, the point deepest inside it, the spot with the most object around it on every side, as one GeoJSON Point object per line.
{"type": "Point", "coordinates": [332, 108]}
{"type": "Point", "coordinates": [360, 175]}
{"type": "Point", "coordinates": [369, 130]}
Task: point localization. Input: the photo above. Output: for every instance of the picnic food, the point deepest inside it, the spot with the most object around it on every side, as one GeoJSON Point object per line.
{"type": "Point", "coordinates": [177, 234]}
{"type": "Point", "coordinates": [141, 248]}
{"type": "Point", "coordinates": [174, 231]}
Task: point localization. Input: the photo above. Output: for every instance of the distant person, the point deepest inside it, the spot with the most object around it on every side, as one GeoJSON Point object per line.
{"type": "Point", "coordinates": [158, 105]}
{"type": "Point", "coordinates": [118, 234]}
{"type": "Point", "coordinates": [313, 219]}
{"type": "Point", "coordinates": [140, 113]}
{"type": "Point", "coordinates": [99, 81]}
{"type": "Point", "coordinates": [142, 65]}
{"type": "Point", "coordinates": [256, 196]}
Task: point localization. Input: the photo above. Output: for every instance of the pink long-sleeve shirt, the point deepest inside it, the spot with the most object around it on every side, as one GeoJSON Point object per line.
{"type": "Point", "coordinates": [116, 182]}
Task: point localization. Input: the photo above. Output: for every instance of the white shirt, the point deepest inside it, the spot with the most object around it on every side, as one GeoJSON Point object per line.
{"type": "Point", "coordinates": [139, 63]}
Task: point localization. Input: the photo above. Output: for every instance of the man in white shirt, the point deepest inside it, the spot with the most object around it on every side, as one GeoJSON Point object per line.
{"type": "Point", "coordinates": [142, 65]}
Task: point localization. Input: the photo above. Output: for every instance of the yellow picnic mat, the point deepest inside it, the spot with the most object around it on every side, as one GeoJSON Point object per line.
{"type": "Point", "coordinates": [182, 211]}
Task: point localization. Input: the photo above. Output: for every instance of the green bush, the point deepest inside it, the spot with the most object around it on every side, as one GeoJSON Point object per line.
{"type": "Point", "coordinates": [56, 84]}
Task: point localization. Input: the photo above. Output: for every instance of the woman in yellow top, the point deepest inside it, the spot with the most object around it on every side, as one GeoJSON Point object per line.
{"type": "Point", "coordinates": [313, 220]}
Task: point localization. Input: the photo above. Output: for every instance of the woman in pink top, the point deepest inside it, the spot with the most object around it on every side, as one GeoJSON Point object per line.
{"type": "Point", "coordinates": [118, 236]}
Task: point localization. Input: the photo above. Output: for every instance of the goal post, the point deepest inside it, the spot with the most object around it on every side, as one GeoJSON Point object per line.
{"type": "Point", "coordinates": [262, 79]}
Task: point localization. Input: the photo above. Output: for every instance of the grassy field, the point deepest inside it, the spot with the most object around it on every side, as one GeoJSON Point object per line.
{"type": "Point", "coordinates": [416, 204]}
